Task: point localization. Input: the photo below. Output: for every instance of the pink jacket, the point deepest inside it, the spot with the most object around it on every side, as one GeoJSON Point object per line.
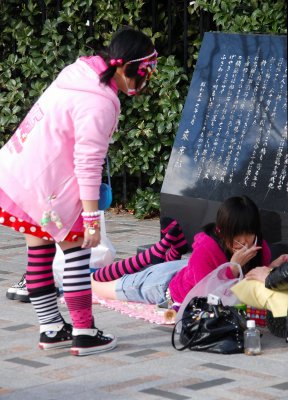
{"type": "Point", "coordinates": [206, 256]}
{"type": "Point", "coordinates": [55, 157]}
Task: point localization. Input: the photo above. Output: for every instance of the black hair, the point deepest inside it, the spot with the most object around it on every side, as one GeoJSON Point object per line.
{"type": "Point", "coordinates": [235, 216]}
{"type": "Point", "coordinates": [127, 44]}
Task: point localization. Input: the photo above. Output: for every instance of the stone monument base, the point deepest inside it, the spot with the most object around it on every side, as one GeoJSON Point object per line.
{"type": "Point", "coordinates": [193, 214]}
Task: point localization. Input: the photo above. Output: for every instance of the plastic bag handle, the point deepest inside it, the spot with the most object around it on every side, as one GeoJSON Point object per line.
{"type": "Point", "coordinates": [189, 296]}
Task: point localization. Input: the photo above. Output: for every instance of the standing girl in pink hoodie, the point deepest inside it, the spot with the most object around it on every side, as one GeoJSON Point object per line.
{"type": "Point", "coordinates": [50, 173]}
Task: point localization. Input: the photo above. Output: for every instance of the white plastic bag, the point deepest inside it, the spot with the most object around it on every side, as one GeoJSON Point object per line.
{"type": "Point", "coordinates": [101, 255]}
{"type": "Point", "coordinates": [215, 283]}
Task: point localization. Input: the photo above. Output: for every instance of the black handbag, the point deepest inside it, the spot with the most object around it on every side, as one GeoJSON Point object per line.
{"type": "Point", "coordinates": [211, 328]}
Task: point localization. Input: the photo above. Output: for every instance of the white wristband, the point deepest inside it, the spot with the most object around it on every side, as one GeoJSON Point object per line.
{"type": "Point", "coordinates": [91, 213]}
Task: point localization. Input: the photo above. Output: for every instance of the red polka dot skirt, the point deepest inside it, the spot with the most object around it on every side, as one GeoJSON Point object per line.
{"type": "Point", "coordinates": [25, 227]}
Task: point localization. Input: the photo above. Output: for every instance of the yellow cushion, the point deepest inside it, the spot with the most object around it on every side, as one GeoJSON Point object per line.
{"type": "Point", "coordinates": [254, 294]}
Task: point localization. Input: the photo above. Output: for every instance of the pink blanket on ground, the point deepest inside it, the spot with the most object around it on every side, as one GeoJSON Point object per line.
{"type": "Point", "coordinates": [148, 312]}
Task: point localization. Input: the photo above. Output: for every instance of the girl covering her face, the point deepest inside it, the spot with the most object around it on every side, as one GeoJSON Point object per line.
{"type": "Point", "coordinates": [172, 278]}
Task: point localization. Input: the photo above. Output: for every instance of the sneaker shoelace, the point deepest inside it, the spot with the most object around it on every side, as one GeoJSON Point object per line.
{"type": "Point", "coordinates": [21, 283]}
{"type": "Point", "coordinates": [101, 336]}
{"type": "Point", "coordinates": [68, 328]}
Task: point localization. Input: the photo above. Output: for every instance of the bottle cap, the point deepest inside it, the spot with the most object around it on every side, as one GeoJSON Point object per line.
{"type": "Point", "coordinates": [251, 323]}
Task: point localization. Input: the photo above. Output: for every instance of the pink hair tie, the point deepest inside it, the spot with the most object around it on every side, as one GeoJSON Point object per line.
{"type": "Point", "coordinates": [142, 73]}
{"type": "Point", "coordinates": [116, 62]}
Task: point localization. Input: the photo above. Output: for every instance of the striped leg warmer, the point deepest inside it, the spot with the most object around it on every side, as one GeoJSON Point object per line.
{"type": "Point", "coordinates": [77, 287]}
{"type": "Point", "coordinates": [179, 245]}
{"type": "Point", "coordinates": [154, 255]}
{"type": "Point", "coordinates": [40, 284]}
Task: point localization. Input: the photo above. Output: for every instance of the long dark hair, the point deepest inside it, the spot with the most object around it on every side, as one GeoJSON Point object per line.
{"type": "Point", "coordinates": [127, 44]}
{"type": "Point", "coordinates": [235, 216]}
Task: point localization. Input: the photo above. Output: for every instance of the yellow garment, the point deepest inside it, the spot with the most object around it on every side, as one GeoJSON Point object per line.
{"type": "Point", "coordinates": [254, 294]}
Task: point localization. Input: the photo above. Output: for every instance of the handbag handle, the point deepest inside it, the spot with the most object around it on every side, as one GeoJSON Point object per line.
{"type": "Point", "coordinates": [190, 340]}
{"type": "Point", "coordinates": [108, 170]}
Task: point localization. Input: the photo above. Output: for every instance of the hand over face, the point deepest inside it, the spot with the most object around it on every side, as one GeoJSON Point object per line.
{"type": "Point", "coordinates": [245, 254]}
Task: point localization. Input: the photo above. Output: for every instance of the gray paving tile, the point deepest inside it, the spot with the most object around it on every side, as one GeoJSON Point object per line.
{"type": "Point", "coordinates": [28, 363]}
{"type": "Point", "coordinates": [17, 327]}
{"type": "Point", "coordinates": [164, 394]}
{"type": "Point", "coordinates": [207, 384]}
{"type": "Point", "coordinates": [142, 353]}
{"type": "Point", "coordinates": [217, 366]}
{"type": "Point", "coordinates": [59, 355]}
{"type": "Point", "coordinates": [115, 232]}
{"type": "Point", "coordinates": [165, 329]}
{"type": "Point", "coordinates": [281, 386]}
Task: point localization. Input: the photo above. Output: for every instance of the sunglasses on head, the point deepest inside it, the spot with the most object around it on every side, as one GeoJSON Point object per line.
{"type": "Point", "coordinates": [147, 65]}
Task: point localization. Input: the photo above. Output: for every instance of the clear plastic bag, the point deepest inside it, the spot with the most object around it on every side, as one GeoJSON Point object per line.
{"type": "Point", "coordinates": [216, 283]}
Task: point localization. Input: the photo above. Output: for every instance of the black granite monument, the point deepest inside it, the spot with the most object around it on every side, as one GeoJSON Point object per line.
{"type": "Point", "coordinates": [232, 136]}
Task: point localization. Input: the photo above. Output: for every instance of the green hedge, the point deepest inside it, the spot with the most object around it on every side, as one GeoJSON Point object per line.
{"type": "Point", "coordinates": [253, 16]}
{"type": "Point", "coordinates": [35, 46]}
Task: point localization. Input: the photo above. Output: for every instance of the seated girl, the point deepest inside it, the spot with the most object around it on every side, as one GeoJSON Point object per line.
{"type": "Point", "coordinates": [236, 236]}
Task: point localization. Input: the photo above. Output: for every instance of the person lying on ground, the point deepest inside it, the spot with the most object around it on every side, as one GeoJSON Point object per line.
{"type": "Point", "coordinates": [236, 236]}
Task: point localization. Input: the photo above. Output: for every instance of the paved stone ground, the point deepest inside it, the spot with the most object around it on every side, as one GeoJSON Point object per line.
{"type": "Point", "coordinates": [143, 366]}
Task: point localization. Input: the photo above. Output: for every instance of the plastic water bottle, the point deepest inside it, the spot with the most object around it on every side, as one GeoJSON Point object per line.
{"type": "Point", "coordinates": [252, 344]}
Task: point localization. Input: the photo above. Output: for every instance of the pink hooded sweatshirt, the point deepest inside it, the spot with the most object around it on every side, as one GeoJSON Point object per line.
{"type": "Point", "coordinates": [55, 157]}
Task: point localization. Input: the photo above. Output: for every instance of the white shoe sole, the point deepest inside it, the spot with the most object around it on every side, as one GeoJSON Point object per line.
{"type": "Point", "coordinates": [22, 297]}
{"type": "Point", "coordinates": [11, 295]}
{"type": "Point", "coordinates": [56, 345]}
{"type": "Point", "coordinates": [85, 351]}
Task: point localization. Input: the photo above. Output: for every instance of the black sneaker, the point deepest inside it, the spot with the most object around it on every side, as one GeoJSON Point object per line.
{"type": "Point", "coordinates": [56, 339]}
{"type": "Point", "coordinates": [91, 341]}
{"type": "Point", "coordinates": [19, 291]}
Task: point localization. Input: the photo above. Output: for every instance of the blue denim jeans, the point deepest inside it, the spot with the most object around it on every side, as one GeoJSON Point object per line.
{"type": "Point", "coordinates": [150, 284]}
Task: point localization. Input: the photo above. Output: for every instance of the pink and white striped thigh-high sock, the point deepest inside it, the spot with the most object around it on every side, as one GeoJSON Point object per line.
{"type": "Point", "coordinates": [40, 284]}
{"type": "Point", "coordinates": [179, 245]}
{"type": "Point", "coordinates": [77, 287]}
{"type": "Point", "coordinates": [154, 255]}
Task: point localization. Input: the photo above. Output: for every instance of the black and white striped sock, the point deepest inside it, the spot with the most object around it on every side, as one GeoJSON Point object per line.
{"type": "Point", "coordinates": [40, 284]}
{"type": "Point", "coordinates": [47, 309]}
